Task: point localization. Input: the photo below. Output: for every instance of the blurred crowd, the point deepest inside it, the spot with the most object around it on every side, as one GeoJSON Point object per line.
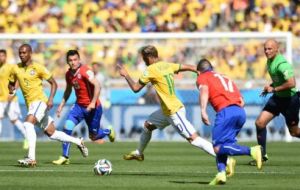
{"type": "Point", "coordinates": [100, 16]}
{"type": "Point", "coordinates": [239, 59]}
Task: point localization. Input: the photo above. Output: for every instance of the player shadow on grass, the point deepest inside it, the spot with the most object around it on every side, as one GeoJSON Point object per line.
{"type": "Point", "coordinates": [73, 163]}
{"type": "Point", "coordinates": [152, 174]}
{"type": "Point", "coordinates": [190, 182]}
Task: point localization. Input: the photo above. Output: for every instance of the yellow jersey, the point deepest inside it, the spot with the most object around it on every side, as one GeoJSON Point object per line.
{"type": "Point", "coordinates": [30, 80]}
{"type": "Point", "coordinates": [161, 76]}
{"type": "Point", "coordinates": [5, 71]}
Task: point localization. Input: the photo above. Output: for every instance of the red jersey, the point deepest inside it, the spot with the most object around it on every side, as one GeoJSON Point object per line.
{"type": "Point", "coordinates": [222, 91]}
{"type": "Point", "coordinates": [84, 90]}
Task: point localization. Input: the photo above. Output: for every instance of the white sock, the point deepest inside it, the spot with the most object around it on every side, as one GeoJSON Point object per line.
{"type": "Point", "coordinates": [31, 137]}
{"type": "Point", "coordinates": [204, 145]}
{"type": "Point", "coordinates": [1, 126]}
{"type": "Point", "coordinates": [21, 127]}
{"type": "Point", "coordinates": [63, 137]}
{"type": "Point", "coordinates": [144, 140]}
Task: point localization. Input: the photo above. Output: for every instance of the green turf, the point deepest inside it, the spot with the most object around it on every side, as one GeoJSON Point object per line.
{"type": "Point", "coordinates": [171, 165]}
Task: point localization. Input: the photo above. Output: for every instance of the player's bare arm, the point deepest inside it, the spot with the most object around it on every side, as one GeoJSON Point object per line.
{"type": "Point", "coordinates": [290, 83]}
{"type": "Point", "coordinates": [203, 99]}
{"type": "Point", "coordinates": [242, 102]}
{"type": "Point", "coordinates": [53, 89]}
{"type": "Point", "coordinates": [185, 67]}
{"type": "Point", "coordinates": [12, 95]}
{"type": "Point", "coordinates": [135, 86]}
{"type": "Point", "coordinates": [66, 96]}
{"type": "Point", "coordinates": [12, 87]}
{"type": "Point", "coordinates": [96, 94]}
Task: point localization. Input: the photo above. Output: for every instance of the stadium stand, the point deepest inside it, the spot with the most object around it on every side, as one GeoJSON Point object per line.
{"type": "Point", "coordinates": [102, 16]}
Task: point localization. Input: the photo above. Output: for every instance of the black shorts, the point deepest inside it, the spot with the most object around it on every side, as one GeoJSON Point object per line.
{"type": "Point", "coordinates": [288, 107]}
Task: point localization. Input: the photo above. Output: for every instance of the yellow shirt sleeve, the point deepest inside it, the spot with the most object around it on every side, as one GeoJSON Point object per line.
{"type": "Point", "coordinates": [175, 67]}
{"type": "Point", "coordinates": [145, 78]}
{"type": "Point", "coordinates": [44, 73]}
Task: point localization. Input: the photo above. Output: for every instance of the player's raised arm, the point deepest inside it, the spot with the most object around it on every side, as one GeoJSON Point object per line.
{"type": "Point", "coordinates": [135, 86]}
{"type": "Point", "coordinates": [186, 67]}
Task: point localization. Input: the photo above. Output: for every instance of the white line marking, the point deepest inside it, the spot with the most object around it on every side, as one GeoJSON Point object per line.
{"type": "Point", "coordinates": [137, 172]}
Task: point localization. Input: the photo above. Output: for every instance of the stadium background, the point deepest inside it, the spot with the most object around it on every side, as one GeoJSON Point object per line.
{"type": "Point", "coordinates": [242, 60]}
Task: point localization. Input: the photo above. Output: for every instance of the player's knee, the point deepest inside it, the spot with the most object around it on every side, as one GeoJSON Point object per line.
{"type": "Point", "coordinates": [148, 127]}
{"type": "Point", "coordinates": [49, 131]}
{"type": "Point", "coordinates": [260, 124]}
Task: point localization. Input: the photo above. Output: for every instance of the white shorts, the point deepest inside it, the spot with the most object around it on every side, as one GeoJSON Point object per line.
{"type": "Point", "coordinates": [177, 120]}
{"type": "Point", "coordinates": [11, 109]}
{"type": "Point", "coordinates": [39, 110]}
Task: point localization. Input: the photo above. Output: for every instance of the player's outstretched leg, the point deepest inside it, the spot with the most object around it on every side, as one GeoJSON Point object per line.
{"type": "Point", "coordinates": [144, 140]}
{"type": "Point", "coordinates": [63, 137]}
{"type": "Point", "coordinates": [64, 159]}
{"type": "Point", "coordinates": [83, 149]}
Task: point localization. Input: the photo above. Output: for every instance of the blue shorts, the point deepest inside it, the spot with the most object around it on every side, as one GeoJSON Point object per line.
{"type": "Point", "coordinates": [92, 118]}
{"type": "Point", "coordinates": [228, 123]}
{"type": "Point", "coordinates": [288, 107]}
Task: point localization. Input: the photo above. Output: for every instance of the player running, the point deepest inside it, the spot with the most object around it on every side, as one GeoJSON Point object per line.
{"type": "Point", "coordinates": [87, 106]}
{"type": "Point", "coordinates": [226, 100]}
{"type": "Point", "coordinates": [30, 76]}
{"type": "Point", "coordinates": [285, 99]}
{"type": "Point", "coordinates": [9, 103]}
{"type": "Point", "coordinates": [161, 75]}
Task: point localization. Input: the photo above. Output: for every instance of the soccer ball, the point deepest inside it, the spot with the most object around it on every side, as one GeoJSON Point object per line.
{"type": "Point", "coordinates": [103, 167]}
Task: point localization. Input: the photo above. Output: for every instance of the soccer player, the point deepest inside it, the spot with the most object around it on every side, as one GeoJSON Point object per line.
{"type": "Point", "coordinates": [30, 76]}
{"type": "Point", "coordinates": [285, 99]}
{"type": "Point", "coordinates": [226, 100]}
{"type": "Point", "coordinates": [161, 75]}
{"type": "Point", "coordinates": [87, 106]}
{"type": "Point", "coordinates": [9, 104]}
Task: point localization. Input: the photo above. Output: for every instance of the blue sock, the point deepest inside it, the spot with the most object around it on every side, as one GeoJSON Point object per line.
{"type": "Point", "coordinates": [102, 133]}
{"type": "Point", "coordinates": [221, 162]}
{"type": "Point", "coordinates": [261, 139]}
{"type": "Point", "coordinates": [66, 145]}
{"type": "Point", "coordinates": [231, 149]}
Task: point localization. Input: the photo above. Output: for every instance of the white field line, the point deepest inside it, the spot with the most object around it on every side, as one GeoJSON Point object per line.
{"type": "Point", "coordinates": [137, 172]}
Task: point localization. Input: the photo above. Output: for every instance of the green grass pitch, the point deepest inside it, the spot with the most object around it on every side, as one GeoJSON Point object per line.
{"type": "Point", "coordinates": [167, 165]}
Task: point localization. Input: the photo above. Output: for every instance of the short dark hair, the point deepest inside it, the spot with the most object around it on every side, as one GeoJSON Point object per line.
{"type": "Point", "coordinates": [29, 48]}
{"type": "Point", "coordinates": [149, 51]}
{"type": "Point", "coordinates": [3, 51]}
{"type": "Point", "coordinates": [204, 65]}
{"type": "Point", "coordinates": [72, 52]}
